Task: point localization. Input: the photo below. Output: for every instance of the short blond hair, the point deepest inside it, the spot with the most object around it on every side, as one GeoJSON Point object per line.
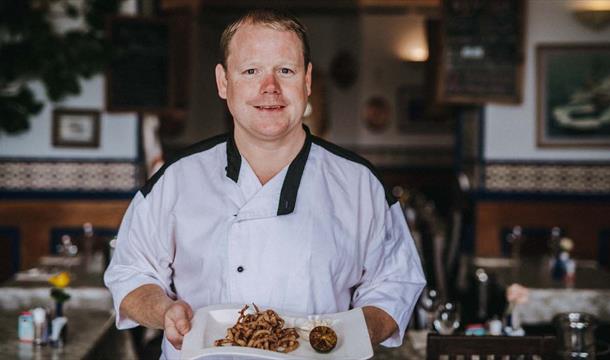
{"type": "Point", "coordinates": [275, 19]}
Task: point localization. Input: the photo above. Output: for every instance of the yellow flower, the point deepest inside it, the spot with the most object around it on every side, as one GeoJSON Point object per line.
{"type": "Point", "coordinates": [566, 244]}
{"type": "Point", "coordinates": [60, 280]}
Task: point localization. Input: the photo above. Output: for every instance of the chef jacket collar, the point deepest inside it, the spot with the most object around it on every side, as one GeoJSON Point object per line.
{"type": "Point", "coordinates": [290, 187]}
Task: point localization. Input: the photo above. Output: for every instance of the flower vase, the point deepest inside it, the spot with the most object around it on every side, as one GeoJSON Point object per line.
{"type": "Point", "coordinates": [559, 269]}
{"type": "Point", "coordinates": [59, 309]}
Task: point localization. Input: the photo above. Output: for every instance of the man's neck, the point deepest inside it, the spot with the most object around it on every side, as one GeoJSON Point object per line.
{"type": "Point", "coordinates": [269, 157]}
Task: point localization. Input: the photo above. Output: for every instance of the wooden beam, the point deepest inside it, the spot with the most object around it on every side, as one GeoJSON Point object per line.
{"type": "Point", "coordinates": [320, 5]}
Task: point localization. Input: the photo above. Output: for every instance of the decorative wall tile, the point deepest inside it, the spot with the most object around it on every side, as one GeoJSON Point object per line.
{"type": "Point", "coordinates": [70, 176]}
{"type": "Point", "coordinates": [562, 178]}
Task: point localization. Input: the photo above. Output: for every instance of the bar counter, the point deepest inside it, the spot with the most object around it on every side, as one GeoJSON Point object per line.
{"type": "Point", "coordinates": [589, 291]}
{"type": "Point", "coordinates": [87, 334]}
{"type": "Point", "coordinates": [91, 333]}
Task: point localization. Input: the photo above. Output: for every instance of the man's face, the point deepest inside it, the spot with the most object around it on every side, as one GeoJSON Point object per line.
{"type": "Point", "coordinates": [266, 84]}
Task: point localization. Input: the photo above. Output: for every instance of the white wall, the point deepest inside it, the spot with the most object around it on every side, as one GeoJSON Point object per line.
{"type": "Point", "coordinates": [382, 72]}
{"type": "Point", "coordinates": [328, 36]}
{"type": "Point", "coordinates": [118, 132]}
{"type": "Point", "coordinates": [510, 131]}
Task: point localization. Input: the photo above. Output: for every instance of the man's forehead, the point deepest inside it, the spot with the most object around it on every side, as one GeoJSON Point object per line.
{"type": "Point", "coordinates": [247, 29]}
{"type": "Point", "coordinates": [245, 33]}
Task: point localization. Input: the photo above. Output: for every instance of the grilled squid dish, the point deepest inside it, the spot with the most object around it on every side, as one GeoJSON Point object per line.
{"type": "Point", "coordinates": [262, 330]}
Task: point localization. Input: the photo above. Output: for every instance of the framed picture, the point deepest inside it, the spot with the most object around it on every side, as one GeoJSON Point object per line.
{"type": "Point", "coordinates": [377, 114]}
{"type": "Point", "coordinates": [482, 51]}
{"type": "Point", "coordinates": [418, 113]}
{"type": "Point", "coordinates": [138, 79]}
{"type": "Point", "coordinates": [573, 95]}
{"type": "Point", "coordinates": [76, 128]}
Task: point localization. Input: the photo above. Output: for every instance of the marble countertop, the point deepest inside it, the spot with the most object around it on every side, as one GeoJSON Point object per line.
{"type": "Point", "coordinates": [85, 329]}
{"type": "Point", "coordinates": [86, 291]}
{"type": "Point", "coordinates": [535, 273]}
{"type": "Point", "coordinates": [78, 279]}
{"type": "Point", "coordinates": [589, 292]}
{"type": "Point", "coordinates": [89, 312]}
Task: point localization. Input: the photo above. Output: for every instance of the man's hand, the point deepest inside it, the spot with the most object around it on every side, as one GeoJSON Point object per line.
{"type": "Point", "coordinates": [177, 322]}
{"type": "Point", "coordinates": [380, 325]}
{"type": "Point", "coordinates": [150, 307]}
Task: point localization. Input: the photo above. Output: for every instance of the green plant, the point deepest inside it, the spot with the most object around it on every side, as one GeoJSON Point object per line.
{"type": "Point", "coordinates": [33, 48]}
{"type": "Point", "coordinates": [59, 295]}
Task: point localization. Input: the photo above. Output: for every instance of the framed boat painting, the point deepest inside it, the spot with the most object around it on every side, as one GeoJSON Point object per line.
{"type": "Point", "coordinates": [573, 89]}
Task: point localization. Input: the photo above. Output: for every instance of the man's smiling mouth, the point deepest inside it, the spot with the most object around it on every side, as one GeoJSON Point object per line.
{"type": "Point", "coordinates": [269, 107]}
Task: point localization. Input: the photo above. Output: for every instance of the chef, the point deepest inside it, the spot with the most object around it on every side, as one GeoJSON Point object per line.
{"type": "Point", "coordinates": [267, 214]}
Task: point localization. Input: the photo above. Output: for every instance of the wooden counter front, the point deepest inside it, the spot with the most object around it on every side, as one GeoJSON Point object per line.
{"type": "Point", "coordinates": [583, 221]}
{"type": "Point", "coordinates": [34, 220]}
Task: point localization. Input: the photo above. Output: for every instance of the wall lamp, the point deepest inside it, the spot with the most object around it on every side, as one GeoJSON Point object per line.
{"type": "Point", "coordinates": [594, 14]}
{"type": "Point", "coordinates": [413, 43]}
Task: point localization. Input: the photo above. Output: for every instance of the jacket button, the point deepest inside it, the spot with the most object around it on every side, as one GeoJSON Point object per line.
{"type": "Point", "coordinates": [240, 269]}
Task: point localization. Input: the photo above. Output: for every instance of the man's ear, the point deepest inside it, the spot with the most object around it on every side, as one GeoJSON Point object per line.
{"type": "Point", "coordinates": [221, 81]}
{"type": "Point", "coordinates": [308, 78]}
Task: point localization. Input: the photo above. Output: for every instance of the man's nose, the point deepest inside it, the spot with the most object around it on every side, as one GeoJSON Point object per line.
{"type": "Point", "coordinates": [270, 84]}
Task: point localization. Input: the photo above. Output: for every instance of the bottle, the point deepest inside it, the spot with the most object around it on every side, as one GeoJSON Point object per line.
{"type": "Point", "coordinates": [494, 326]}
{"type": "Point", "coordinates": [559, 269]}
{"type": "Point", "coordinates": [482, 294]}
{"type": "Point", "coordinates": [512, 321]}
{"type": "Point", "coordinates": [515, 239]}
{"type": "Point", "coordinates": [59, 327]}
{"type": "Point", "coordinates": [67, 248]}
{"type": "Point", "coordinates": [25, 327]}
{"type": "Point", "coordinates": [40, 326]}
{"type": "Point", "coordinates": [87, 245]}
{"type": "Point", "coordinates": [554, 240]}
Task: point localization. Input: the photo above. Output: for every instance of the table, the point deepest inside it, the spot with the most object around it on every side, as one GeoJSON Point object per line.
{"type": "Point", "coordinates": [590, 291]}
{"type": "Point", "coordinates": [87, 291]}
{"type": "Point", "coordinates": [90, 334]}
{"type": "Point", "coordinates": [87, 330]}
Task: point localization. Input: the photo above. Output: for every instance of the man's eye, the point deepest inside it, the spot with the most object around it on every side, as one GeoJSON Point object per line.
{"type": "Point", "coordinates": [286, 71]}
{"type": "Point", "coordinates": [250, 72]}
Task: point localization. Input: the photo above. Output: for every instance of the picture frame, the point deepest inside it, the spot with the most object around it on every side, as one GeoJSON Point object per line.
{"type": "Point", "coordinates": [417, 113]}
{"type": "Point", "coordinates": [573, 95]}
{"type": "Point", "coordinates": [139, 78]}
{"type": "Point", "coordinates": [77, 128]}
{"type": "Point", "coordinates": [482, 51]}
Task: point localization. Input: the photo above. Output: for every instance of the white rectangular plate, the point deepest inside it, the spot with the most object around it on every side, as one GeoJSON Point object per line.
{"type": "Point", "coordinates": [211, 323]}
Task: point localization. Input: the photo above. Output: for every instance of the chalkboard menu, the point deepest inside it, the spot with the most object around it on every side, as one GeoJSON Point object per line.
{"type": "Point", "coordinates": [138, 77]}
{"type": "Point", "coordinates": [482, 51]}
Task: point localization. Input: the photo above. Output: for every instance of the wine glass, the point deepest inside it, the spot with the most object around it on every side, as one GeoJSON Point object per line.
{"type": "Point", "coordinates": [447, 319]}
{"type": "Point", "coordinates": [428, 303]}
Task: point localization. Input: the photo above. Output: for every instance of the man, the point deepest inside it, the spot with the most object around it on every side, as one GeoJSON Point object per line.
{"type": "Point", "coordinates": [269, 214]}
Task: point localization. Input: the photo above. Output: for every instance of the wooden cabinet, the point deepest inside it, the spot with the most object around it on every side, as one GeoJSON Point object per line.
{"type": "Point", "coordinates": [586, 222]}
{"type": "Point", "coordinates": [31, 223]}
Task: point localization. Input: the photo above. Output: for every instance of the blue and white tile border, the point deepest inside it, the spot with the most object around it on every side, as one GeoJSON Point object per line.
{"type": "Point", "coordinates": [547, 177]}
{"type": "Point", "coordinates": [70, 176]}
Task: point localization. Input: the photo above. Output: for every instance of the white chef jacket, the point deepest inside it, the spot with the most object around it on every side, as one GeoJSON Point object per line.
{"type": "Point", "coordinates": [321, 236]}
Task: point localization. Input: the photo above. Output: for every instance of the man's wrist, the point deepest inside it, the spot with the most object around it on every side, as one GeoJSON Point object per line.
{"type": "Point", "coordinates": [147, 306]}
{"type": "Point", "coordinates": [379, 323]}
